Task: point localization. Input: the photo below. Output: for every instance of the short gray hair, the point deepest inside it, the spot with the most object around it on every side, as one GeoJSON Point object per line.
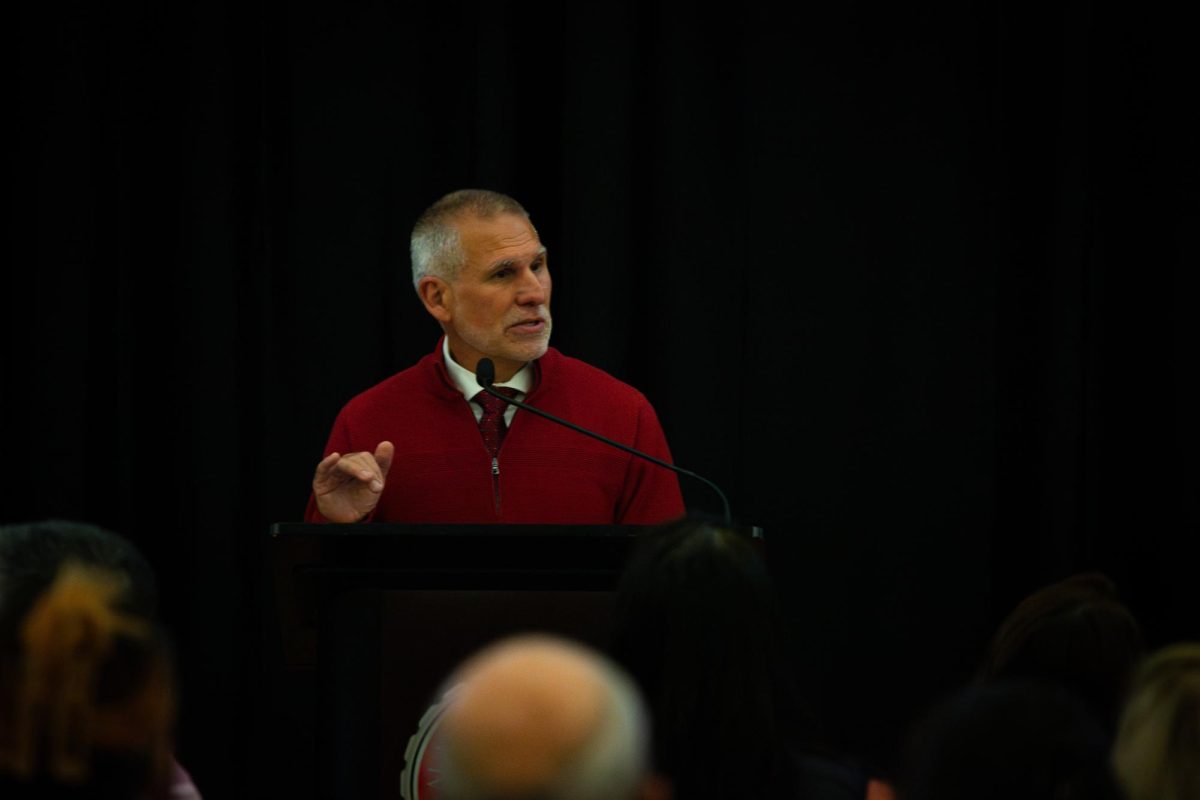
{"type": "Point", "coordinates": [611, 764]}
{"type": "Point", "coordinates": [435, 246]}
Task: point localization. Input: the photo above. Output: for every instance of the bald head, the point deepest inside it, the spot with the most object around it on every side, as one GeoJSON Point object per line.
{"type": "Point", "coordinates": [542, 717]}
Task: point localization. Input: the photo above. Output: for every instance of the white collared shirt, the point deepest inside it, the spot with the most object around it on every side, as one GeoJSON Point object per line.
{"type": "Point", "coordinates": [465, 381]}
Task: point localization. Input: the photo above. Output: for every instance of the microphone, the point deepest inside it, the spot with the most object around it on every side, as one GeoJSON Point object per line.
{"type": "Point", "coordinates": [485, 376]}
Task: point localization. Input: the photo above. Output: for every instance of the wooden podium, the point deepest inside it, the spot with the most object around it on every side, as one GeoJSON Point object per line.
{"type": "Point", "coordinates": [381, 614]}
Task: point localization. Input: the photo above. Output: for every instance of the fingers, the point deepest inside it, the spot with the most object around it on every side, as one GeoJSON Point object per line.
{"type": "Point", "coordinates": [339, 473]}
{"type": "Point", "coordinates": [383, 457]}
{"type": "Point", "coordinates": [362, 467]}
{"type": "Point", "coordinates": [347, 487]}
{"type": "Point", "coordinates": [326, 466]}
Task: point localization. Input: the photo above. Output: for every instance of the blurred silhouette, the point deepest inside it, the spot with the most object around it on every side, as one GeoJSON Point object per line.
{"type": "Point", "coordinates": [536, 716]}
{"type": "Point", "coordinates": [1015, 738]}
{"type": "Point", "coordinates": [87, 693]}
{"type": "Point", "coordinates": [1157, 751]}
{"type": "Point", "coordinates": [699, 628]}
{"type": "Point", "coordinates": [1075, 633]}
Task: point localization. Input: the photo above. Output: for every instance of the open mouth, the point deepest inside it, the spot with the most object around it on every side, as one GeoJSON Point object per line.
{"type": "Point", "coordinates": [528, 326]}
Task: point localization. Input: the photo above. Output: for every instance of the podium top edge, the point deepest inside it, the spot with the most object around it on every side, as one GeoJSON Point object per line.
{"type": "Point", "coordinates": [435, 529]}
{"type": "Point", "coordinates": [333, 529]}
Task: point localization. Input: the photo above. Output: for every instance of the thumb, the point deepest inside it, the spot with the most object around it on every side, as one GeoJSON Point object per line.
{"type": "Point", "coordinates": [383, 457]}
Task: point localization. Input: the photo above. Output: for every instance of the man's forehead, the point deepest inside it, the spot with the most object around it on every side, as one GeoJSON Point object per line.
{"type": "Point", "coordinates": [499, 236]}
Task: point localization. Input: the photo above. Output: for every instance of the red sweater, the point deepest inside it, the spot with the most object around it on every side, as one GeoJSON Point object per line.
{"type": "Point", "coordinates": [547, 473]}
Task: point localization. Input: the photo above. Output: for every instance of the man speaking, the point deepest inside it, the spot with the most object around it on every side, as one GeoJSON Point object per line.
{"type": "Point", "coordinates": [427, 445]}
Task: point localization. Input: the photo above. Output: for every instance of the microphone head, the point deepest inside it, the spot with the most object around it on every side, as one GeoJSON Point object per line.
{"type": "Point", "coordinates": [485, 372]}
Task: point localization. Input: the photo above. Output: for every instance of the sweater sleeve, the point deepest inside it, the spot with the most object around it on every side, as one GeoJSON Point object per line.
{"type": "Point", "coordinates": [650, 494]}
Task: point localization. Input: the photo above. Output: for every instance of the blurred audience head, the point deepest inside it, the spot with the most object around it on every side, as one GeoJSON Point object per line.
{"type": "Point", "coordinates": [1015, 738]}
{"type": "Point", "coordinates": [31, 553]}
{"type": "Point", "coordinates": [86, 688]}
{"type": "Point", "coordinates": [1075, 633]}
{"type": "Point", "coordinates": [1157, 750]}
{"type": "Point", "coordinates": [541, 717]}
{"type": "Point", "coordinates": [699, 628]}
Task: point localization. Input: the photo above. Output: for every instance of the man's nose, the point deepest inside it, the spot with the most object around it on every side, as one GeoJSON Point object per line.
{"type": "Point", "coordinates": [531, 290]}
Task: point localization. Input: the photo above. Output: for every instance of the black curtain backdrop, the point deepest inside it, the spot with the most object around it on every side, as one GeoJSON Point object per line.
{"type": "Point", "coordinates": [914, 286]}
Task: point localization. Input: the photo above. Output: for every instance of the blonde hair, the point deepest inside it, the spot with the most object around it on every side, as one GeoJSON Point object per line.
{"type": "Point", "coordinates": [1157, 750]}
{"type": "Point", "coordinates": [85, 676]}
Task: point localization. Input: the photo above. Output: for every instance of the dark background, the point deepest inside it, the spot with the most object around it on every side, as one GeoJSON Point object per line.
{"type": "Point", "coordinates": [914, 286]}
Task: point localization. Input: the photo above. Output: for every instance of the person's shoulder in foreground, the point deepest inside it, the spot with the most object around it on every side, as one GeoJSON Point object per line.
{"type": "Point", "coordinates": [1014, 737]}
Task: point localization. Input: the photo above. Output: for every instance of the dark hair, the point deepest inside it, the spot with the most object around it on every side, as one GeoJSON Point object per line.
{"type": "Point", "coordinates": [1075, 633]}
{"type": "Point", "coordinates": [699, 629]}
{"type": "Point", "coordinates": [1012, 739]}
{"type": "Point", "coordinates": [32, 552]}
{"type": "Point", "coordinates": [86, 685]}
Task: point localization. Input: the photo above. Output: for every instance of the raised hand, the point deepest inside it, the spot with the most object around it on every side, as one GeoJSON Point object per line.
{"type": "Point", "coordinates": [347, 487]}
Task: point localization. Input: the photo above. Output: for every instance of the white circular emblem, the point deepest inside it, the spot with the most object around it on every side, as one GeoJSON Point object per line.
{"type": "Point", "coordinates": [419, 778]}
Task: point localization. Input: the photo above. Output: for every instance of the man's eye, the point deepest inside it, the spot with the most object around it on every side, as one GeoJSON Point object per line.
{"type": "Point", "coordinates": [502, 273]}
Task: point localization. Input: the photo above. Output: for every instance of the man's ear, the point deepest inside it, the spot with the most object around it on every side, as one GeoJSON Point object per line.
{"type": "Point", "coordinates": [438, 297]}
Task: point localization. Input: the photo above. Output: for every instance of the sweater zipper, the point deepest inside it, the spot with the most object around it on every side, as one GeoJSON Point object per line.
{"type": "Point", "coordinates": [496, 483]}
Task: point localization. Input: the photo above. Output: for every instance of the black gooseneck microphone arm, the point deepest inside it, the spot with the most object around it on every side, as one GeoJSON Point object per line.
{"type": "Point", "coordinates": [485, 376]}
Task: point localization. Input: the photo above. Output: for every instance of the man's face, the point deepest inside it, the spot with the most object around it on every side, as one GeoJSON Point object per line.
{"type": "Point", "coordinates": [499, 305]}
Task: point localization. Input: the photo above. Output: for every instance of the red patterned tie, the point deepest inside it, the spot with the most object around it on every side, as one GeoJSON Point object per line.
{"type": "Point", "coordinates": [491, 424]}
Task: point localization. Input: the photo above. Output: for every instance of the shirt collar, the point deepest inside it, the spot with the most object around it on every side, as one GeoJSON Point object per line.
{"type": "Point", "coordinates": [464, 379]}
